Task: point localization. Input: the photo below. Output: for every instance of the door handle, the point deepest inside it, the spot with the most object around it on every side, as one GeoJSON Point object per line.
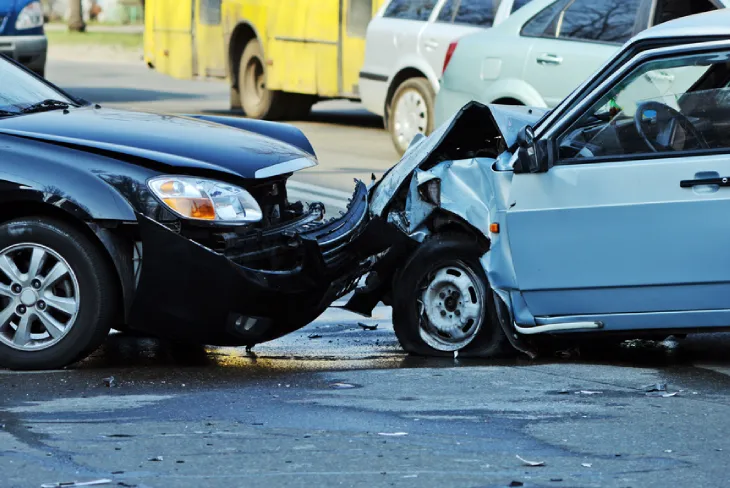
{"type": "Point", "coordinates": [431, 44]}
{"type": "Point", "coordinates": [548, 58]}
{"type": "Point", "coordinates": [719, 181]}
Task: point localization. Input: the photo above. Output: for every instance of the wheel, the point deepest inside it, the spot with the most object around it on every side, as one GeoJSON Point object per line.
{"type": "Point", "coordinates": [257, 101]}
{"type": "Point", "coordinates": [57, 294]}
{"type": "Point", "coordinates": [411, 112]}
{"type": "Point", "coordinates": [442, 302]}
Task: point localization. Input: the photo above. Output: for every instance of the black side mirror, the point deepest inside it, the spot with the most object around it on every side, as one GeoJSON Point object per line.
{"type": "Point", "coordinates": [531, 153]}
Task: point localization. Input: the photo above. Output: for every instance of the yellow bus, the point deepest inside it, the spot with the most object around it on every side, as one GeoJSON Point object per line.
{"type": "Point", "coordinates": [280, 56]}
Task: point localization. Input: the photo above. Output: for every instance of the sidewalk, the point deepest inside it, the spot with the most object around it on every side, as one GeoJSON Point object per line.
{"type": "Point", "coordinates": [116, 29]}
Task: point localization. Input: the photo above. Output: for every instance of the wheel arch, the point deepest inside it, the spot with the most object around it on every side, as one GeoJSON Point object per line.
{"type": "Point", "coordinates": [400, 77]}
{"type": "Point", "coordinates": [444, 222]}
{"type": "Point", "coordinates": [103, 234]}
{"type": "Point", "coordinates": [241, 35]}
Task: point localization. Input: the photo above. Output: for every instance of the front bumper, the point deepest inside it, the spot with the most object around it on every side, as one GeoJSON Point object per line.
{"type": "Point", "coordinates": [245, 295]}
{"type": "Point", "coordinates": [30, 51]}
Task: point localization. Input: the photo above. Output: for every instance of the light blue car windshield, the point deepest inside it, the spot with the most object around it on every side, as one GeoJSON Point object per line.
{"type": "Point", "coordinates": [19, 89]}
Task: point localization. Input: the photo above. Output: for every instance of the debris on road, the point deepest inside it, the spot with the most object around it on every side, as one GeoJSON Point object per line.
{"type": "Point", "coordinates": [393, 434]}
{"type": "Point", "coordinates": [367, 327]}
{"type": "Point", "coordinates": [533, 464]}
{"type": "Point", "coordinates": [108, 382]}
{"type": "Point", "coordinates": [65, 484]}
{"type": "Point", "coordinates": [662, 394]}
{"type": "Point", "coordinates": [655, 387]}
{"type": "Point", "coordinates": [587, 465]}
{"type": "Point", "coordinates": [588, 392]}
{"type": "Point", "coordinates": [342, 386]}
{"type": "Point", "coordinates": [156, 458]}
{"type": "Point", "coordinates": [314, 336]}
{"type": "Point", "coordinates": [516, 483]}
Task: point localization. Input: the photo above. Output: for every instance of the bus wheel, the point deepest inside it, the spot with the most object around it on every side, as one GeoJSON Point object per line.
{"type": "Point", "coordinates": [257, 101]}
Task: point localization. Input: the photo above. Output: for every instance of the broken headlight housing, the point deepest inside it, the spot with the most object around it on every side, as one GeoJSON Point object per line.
{"type": "Point", "coordinates": [207, 200]}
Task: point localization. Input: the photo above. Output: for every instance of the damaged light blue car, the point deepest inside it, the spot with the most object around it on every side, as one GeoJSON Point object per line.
{"type": "Point", "coordinates": [606, 215]}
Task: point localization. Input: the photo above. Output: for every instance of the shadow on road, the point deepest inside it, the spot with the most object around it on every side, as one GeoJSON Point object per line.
{"type": "Point", "coordinates": [120, 95]}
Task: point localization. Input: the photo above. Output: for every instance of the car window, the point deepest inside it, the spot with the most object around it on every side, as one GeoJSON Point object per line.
{"type": "Point", "coordinates": [20, 89]}
{"type": "Point", "coordinates": [472, 12]}
{"type": "Point", "coordinates": [410, 9]}
{"type": "Point", "coordinates": [667, 10]}
{"type": "Point", "coordinates": [543, 25]}
{"type": "Point", "coordinates": [672, 105]}
{"type": "Point", "coordinates": [604, 21]}
{"type": "Point", "coordinates": [518, 4]}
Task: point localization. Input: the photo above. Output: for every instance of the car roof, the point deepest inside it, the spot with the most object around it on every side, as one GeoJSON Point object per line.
{"type": "Point", "coordinates": [708, 24]}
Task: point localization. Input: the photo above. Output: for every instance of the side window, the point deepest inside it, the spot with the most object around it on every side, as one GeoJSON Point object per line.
{"type": "Point", "coordinates": [603, 21]}
{"type": "Point", "coordinates": [667, 10]}
{"type": "Point", "coordinates": [518, 4]}
{"type": "Point", "coordinates": [544, 23]}
{"type": "Point", "coordinates": [471, 12]}
{"type": "Point", "coordinates": [210, 12]}
{"type": "Point", "coordinates": [673, 105]}
{"type": "Point", "coordinates": [410, 9]}
{"type": "Point", "coordinates": [359, 13]}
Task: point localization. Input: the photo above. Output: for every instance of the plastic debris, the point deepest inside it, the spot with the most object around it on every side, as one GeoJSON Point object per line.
{"type": "Point", "coordinates": [108, 382]}
{"type": "Point", "coordinates": [655, 387]}
{"type": "Point", "coordinates": [668, 451]}
{"type": "Point", "coordinates": [314, 336]}
{"type": "Point", "coordinates": [534, 464]}
{"type": "Point", "coordinates": [556, 479]}
{"type": "Point", "coordinates": [156, 458]}
{"type": "Point", "coordinates": [587, 465]}
{"type": "Point", "coordinates": [456, 354]}
{"type": "Point", "coordinates": [588, 392]}
{"type": "Point", "coordinates": [393, 434]}
{"type": "Point", "coordinates": [516, 483]}
{"type": "Point", "coordinates": [76, 483]}
{"type": "Point", "coordinates": [342, 386]}
{"type": "Point", "coordinates": [662, 394]}
{"type": "Point", "coordinates": [367, 327]}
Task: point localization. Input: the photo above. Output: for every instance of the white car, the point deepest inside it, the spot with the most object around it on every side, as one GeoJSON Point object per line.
{"type": "Point", "coordinates": [544, 51]}
{"type": "Point", "coordinates": [406, 46]}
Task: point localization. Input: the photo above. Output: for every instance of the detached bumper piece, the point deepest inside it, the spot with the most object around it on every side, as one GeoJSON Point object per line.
{"type": "Point", "coordinates": [252, 288]}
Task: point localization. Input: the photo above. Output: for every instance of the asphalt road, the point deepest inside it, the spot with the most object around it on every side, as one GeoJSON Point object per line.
{"type": "Point", "coordinates": [337, 405]}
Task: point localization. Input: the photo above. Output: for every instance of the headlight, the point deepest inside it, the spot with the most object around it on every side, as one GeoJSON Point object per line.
{"type": "Point", "coordinates": [201, 199]}
{"type": "Point", "coordinates": [31, 16]}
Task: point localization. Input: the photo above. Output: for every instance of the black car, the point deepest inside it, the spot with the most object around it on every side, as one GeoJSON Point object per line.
{"type": "Point", "coordinates": [176, 225]}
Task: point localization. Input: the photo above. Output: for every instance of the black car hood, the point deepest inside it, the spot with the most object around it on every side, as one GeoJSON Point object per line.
{"type": "Point", "coordinates": [180, 142]}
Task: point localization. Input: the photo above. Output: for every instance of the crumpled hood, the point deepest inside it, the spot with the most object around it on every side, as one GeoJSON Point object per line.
{"type": "Point", "coordinates": [476, 130]}
{"type": "Point", "coordinates": [179, 142]}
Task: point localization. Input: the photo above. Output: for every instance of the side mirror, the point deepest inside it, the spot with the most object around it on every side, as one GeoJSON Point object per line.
{"type": "Point", "coordinates": [531, 153]}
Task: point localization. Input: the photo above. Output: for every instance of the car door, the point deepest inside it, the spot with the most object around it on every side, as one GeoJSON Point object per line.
{"type": "Point", "coordinates": [455, 19]}
{"type": "Point", "coordinates": [629, 236]}
{"type": "Point", "coordinates": [395, 35]}
{"type": "Point", "coordinates": [572, 39]}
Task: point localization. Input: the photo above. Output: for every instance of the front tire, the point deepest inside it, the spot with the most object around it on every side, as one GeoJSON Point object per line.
{"type": "Point", "coordinates": [257, 101]}
{"type": "Point", "coordinates": [411, 112]}
{"type": "Point", "coordinates": [442, 302]}
{"type": "Point", "coordinates": [57, 294]}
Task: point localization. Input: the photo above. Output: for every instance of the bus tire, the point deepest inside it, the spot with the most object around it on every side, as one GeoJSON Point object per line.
{"type": "Point", "coordinates": [257, 101]}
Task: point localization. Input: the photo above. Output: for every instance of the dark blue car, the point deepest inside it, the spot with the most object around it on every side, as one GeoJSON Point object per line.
{"type": "Point", "coordinates": [21, 33]}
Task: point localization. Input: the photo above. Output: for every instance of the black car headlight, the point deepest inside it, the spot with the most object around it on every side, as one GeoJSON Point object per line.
{"type": "Point", "coordinates": [208, 200]}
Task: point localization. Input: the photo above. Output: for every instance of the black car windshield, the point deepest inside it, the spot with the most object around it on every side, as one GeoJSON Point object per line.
{"type": "Point", "coordinates": [20, 90]}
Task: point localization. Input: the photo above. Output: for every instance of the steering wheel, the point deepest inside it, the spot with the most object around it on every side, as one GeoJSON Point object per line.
{"type": "Point", "coordinates": [666, 118]}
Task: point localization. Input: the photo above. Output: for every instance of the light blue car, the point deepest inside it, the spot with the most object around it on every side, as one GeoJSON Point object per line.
{"type": "Point", "coordinates": [607, 214]}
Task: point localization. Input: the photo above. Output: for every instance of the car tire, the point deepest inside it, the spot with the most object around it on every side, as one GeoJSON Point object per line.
{"type": "Point", "coordinates": [257, 101]}
{"type": "Point", "coordinates": [411, 112]}
{"type": "Point", "coordinates": [84, 286]}
{"type": "Point", "coordinates": [421, 292]}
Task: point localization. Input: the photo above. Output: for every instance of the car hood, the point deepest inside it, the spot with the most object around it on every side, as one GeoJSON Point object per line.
{"type": "Point", "coordinates": [174, 141]}
{"type": "Point", "coordinates": [476, 130]}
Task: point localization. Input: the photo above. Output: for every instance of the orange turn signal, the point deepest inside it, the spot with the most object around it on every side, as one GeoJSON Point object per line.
{"type": "Point", "coordinates": [197, 208]}
{"type": "Point", "coordinates": [494, 228]}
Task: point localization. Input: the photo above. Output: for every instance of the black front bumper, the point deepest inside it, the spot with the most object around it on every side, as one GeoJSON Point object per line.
{"type": "Point", "coordinates": [242, 295]}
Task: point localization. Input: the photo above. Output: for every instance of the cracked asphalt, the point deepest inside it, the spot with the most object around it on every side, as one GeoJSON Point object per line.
{"type": "Point", "coordinates": [337, 405]}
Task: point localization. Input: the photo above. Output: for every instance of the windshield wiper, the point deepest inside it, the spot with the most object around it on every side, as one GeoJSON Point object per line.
{"type": "Point", "coordinates": [45, 106]}
{"type": "Point", "coordinates": [8, 113]}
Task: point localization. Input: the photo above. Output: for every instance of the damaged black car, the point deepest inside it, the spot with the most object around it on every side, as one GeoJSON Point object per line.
{"type": "Point", "coordinates": [178, 226]}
